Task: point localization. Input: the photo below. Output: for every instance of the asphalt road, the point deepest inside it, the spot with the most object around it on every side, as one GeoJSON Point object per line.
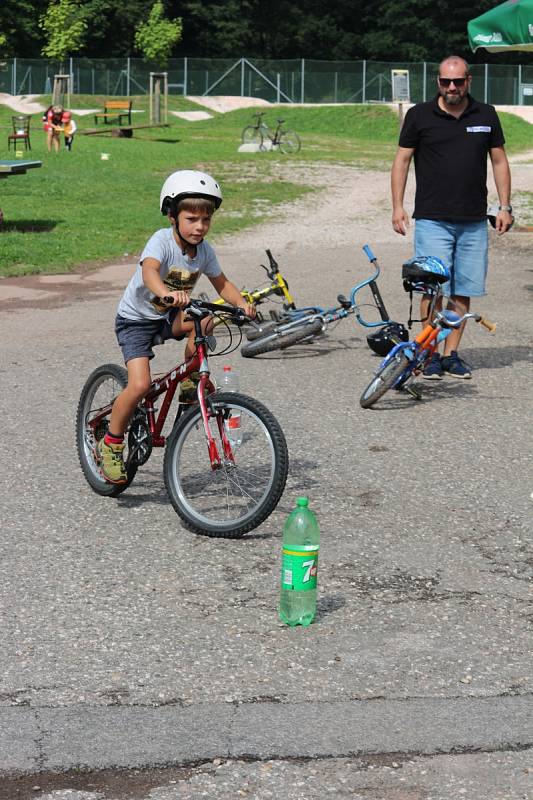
{"type": "Point", "coordinates": [129, 642]}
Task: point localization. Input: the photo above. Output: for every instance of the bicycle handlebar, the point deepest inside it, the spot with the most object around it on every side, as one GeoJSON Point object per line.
{"type": "Point", "coordinates": [274, 269]}
{"type": "Point", "coordinates": [202, 307]}
{"type": "Point", "coordinates": [444, 316]}
{"type": "Point", "coordinates": [369, 254]}
{"type": "Point", "coordinates": [490, 326]}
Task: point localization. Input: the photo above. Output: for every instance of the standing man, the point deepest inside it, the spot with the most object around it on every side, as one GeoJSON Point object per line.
{"type": "Point", "coordinates": [450, 137]}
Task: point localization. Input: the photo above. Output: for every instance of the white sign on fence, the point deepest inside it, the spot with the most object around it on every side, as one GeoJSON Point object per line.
{"type": "Point", "coordinates": [400, 85]}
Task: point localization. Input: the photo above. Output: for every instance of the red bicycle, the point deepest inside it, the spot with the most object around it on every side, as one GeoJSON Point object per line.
{"type": "Point", "coordinates": [226, 459]}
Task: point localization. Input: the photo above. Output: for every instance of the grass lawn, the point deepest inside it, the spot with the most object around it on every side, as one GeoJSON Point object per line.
{"type": "Point", "coordinates": [78, 208]}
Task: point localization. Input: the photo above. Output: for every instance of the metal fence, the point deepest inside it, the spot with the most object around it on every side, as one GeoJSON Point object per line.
{"type": "Point", "coordinates": [284, 81]}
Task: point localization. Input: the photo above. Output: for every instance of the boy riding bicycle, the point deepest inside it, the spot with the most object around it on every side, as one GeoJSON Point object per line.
{"type": "Point", "coordinates": [170, 265]}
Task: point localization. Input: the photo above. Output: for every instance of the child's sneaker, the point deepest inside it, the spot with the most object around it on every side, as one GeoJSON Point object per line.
{"type": "Point", "coordinates": [112, 462]}
{"type": "Point", "coordinates": [188, 389]}
{"type": "Point", "coordinates": [433, 371]}
{"type": "Point", "coordinates": [455, 366]}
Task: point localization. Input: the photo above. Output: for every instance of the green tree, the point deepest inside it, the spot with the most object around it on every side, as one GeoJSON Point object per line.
{"type": "Point", "coordinates": [156, 37]}
{"type": "Point", "coordinates": [64, 29]}
{"type": "Point", "coordinates": [111, 26]}
{"type": "Point", "coordinates": [17, 24]}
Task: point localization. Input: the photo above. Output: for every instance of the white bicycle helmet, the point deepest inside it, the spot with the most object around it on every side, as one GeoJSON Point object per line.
{"type": "Point", "coordinates": [189, 183]}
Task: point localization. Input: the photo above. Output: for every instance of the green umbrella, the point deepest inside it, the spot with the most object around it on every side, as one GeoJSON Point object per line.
{"type": "Point", "coordinates": [508, 26]}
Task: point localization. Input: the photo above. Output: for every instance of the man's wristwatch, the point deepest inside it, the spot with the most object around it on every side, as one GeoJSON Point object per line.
{"type": "Point", "coordinates": [506, 208]}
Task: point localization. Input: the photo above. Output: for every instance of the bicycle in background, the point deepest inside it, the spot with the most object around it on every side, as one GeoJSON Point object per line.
{"type": "Point", "coordinates": [278, 287]}
{"type": "Point", "coordinates": [303, 324]}
{"type": "Point", "coordinates": [226, 460]}
{"type": "Point", "coordinates": [407, 360]}
{"type": "Point", "coordinates": [286, 141]}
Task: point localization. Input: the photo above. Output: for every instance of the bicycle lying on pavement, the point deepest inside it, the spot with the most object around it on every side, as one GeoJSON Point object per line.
{"type": "Point", "coordinates": [226, 460]}
{"type": "Point", "coordinates": [406, 360]}
{"type": "Point", "coordinates": [285, 140]}
{"type": "Point", "coordinates": [278, 287]}
{"type": "Point", "coordinates": [304, 324]}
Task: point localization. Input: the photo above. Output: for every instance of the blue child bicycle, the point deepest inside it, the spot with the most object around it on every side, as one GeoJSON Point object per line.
{"type": "Point", "coordinates": [406, 360]}
{"type": "Point", "coordinates": [300, 325]}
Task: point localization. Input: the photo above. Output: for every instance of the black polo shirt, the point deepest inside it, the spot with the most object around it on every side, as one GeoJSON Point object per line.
{"type": "Point", "coordinates": [451, 159]}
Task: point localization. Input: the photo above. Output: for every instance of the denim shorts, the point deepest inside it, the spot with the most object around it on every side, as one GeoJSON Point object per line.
{"type": "Point", "coordinates": [136, 337]}
{"type": "Point", "coordinates": [463, 246]}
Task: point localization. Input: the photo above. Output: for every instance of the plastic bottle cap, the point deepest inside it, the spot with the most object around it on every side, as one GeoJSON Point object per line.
{"type": "Point", "coordinates": [302, 502]}
{"type": "Point", "coordinates": [227, 368]}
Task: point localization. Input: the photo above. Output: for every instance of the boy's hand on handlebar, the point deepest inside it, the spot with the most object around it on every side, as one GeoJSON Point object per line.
{"type": "Point", "coordinates": [249, 309]}
{"type": "Point", "coordinates": [180, 299]}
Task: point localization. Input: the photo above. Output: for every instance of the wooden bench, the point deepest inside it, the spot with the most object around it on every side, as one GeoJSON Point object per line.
{"type": "Point", "coordinates": [114, 110]}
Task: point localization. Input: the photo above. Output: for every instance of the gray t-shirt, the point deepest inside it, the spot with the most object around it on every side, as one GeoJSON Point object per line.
{"type": "Point", "coordinates": [178, 272]}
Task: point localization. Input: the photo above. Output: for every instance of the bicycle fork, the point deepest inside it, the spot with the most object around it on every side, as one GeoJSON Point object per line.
{"type": "Point", "coordinates": [205, 401]}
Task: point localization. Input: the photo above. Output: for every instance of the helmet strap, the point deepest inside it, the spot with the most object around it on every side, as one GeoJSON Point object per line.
{"type": "Point", "coordinates": [189, 245]}
{"type": "Point", "coordinates": [184, 244]}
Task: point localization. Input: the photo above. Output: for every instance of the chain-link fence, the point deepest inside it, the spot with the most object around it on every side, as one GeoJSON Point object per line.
{"type": "Point", "coordinates": [284, 81]}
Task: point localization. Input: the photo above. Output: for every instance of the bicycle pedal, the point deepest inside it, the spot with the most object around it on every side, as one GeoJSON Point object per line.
{"type": "Point", "coordinates": [413, 392]}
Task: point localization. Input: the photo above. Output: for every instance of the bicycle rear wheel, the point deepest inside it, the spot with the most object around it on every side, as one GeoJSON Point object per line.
{"type": "Point", "coordinates": [252, 135]}
{"type": "Point", "coordinates": [385, 379]}
{"type": "Point", "coordinates": [99, 391]}
{"type": "Point", "coordinates": [282, 336]}
{"type": "Point", "coordinates": [238, 496]}
{"type": "Point", "coordinates": [289, 142]}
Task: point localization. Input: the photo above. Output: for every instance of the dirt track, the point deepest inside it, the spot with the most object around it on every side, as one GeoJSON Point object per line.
{"type": "Point", "coordinates": [347, 206]}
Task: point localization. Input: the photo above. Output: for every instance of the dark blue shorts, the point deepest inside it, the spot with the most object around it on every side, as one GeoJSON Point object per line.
{"type": "Point", "coordinates": [136, 337]}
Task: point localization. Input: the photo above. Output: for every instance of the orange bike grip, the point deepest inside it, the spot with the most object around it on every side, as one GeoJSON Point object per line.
{"type": "Point", "coordinates": [424, 334]}
{"type": "Point", "coordinates": [490, 326]}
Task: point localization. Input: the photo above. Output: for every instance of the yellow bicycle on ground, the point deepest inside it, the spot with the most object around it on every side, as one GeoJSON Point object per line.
{"type": "Point", "coordinates": [278, 287]}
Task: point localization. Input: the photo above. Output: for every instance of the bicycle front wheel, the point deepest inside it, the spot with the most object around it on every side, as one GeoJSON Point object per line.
{"type": "Point", "coordinates": [281, 337]}
{"type": "Point", "coordinates": [99, 391]}
{"type": "Point", "coordinates": [289, 142]}
{"type": "Point", "coordinates": [253, 333]}
{"type": "Point", "coordinates": [252, 135]}
{"type": "Point", "coordinates": [385, 379]}
{"type": "Point", "coordinates": [236, 497]}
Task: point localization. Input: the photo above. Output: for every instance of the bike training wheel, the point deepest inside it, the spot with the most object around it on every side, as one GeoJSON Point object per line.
{"type": "Point", "coordinates": [235, 498]}
{"type": "Point", "coordinates": [100, 389]}
{"type": "Point", "coordinates": [282, 337]}
{"type": "Point", "coordinates": [289, 142]}
{"type": "Point", "coordinates": [384, 380]}
{"type": "Point", "coordinates": [252, 135]}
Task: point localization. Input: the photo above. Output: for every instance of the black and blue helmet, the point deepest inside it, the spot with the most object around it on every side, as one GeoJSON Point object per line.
{"type": "Point", "coordinates": [424, 272]}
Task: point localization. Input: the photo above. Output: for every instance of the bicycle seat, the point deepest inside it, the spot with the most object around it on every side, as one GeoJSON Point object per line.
{"type": "Point", "coordinates": [280, 121]}
{"type": "Point", "coordinates": [343, 301]}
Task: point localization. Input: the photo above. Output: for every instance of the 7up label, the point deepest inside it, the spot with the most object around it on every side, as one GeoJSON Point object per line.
{"type": "Point", "coordinates": [299, 567]}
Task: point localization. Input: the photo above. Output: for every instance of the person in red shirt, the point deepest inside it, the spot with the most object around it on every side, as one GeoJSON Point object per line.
{"type": "Point", "coordinates": [54, 118]}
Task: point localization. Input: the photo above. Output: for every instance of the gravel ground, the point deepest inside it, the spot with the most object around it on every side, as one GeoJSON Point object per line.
{"type": "Point", "coordinates": [425, 514]}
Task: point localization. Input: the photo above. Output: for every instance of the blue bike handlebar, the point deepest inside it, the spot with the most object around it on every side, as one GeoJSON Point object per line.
{"type": "Point", "coordinates": [371, 281]}
{"type": "Point", "coordinates": [369, 254]}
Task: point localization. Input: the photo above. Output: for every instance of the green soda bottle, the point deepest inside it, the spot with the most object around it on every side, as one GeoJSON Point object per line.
{"type": "Point", "coordinates": [299, 567]}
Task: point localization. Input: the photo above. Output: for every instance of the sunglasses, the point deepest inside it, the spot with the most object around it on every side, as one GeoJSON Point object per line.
{"type": "Point", "coordinates": [457, 81]}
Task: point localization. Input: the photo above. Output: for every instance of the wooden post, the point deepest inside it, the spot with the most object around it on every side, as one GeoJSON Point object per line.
{"type": "Point", "coordinates": [158, 89]}
{"type": "Point", "coordinates": [61, 91]}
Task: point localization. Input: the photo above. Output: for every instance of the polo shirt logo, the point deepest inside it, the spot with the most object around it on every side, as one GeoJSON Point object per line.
{"type": "Point", "coordinates": [479, 129]}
